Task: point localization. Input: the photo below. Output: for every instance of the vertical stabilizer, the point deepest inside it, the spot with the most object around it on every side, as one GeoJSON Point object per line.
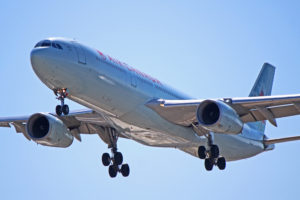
{"type": "Point", "coordinates": [263, 87]}
{"type": "Point", "coordinates": [264, 82]}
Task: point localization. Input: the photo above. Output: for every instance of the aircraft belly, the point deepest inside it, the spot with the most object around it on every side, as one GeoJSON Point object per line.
{"type": "Point", "coordinates": [236, 147]}
{"type": "Point", "coordinates": [232, 147]}
{"type": "Point", "coordinates": [146, 119]}
{"type": "Point", "coordinates": [156, 138]}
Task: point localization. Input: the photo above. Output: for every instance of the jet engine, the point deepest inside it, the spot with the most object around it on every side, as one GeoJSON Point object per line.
{"type": "Point", "coordinates": [48, 130]}
{"type": "Point", "coordinates": [218, 117]}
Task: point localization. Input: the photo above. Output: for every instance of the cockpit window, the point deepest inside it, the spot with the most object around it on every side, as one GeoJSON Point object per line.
{"type": "Point", "coordinates": [59, 46]}
{"type": "Point", "coordinates": [56, 45]}
{"type": "Point", "coordinates": [43, 43]}
{"type": "Point", "coordinates": [38, 44]}
{"type": "Point", "coordinates": [48, 43]}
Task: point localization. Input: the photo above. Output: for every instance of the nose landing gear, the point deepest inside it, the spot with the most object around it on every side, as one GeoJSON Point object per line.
{"type": "Point", "coordinates": [63, 108]}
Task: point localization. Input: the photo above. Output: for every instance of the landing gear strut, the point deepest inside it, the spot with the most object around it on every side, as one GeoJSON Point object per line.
{"type": "Point", "coordinates": [211, 156]}
{"type": "Point", "coordinates": [115, 161]}
{"type": "Point", "coordinates": [62, 108]}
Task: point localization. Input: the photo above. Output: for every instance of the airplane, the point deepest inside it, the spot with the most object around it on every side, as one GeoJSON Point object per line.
{"type": "Point", "coordinates": [123, 102]}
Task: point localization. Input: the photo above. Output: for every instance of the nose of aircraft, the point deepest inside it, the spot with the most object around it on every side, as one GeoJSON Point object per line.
{"type": "Point", "coordinates": [41, 62]}
{"type": "Point", "coordinates": [36, 57]}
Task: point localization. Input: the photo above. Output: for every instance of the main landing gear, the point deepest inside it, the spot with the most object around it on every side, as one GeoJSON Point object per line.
{"type": "Point", "coordinates": [211, 156]}
{"type": "Point", "coordinates": [115, 162]}
{"type": "Point", "coordinates": [62, 108]}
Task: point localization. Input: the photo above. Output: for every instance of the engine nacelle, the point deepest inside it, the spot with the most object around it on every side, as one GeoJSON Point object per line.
{"type": "Point", "coordinates": [48, 130]}
{"type": "Point", "coordinates": [218, 117]}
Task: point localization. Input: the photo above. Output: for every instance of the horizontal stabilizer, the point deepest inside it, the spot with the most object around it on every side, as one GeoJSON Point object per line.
{"type": "Point", "coordinates": [280, 140]}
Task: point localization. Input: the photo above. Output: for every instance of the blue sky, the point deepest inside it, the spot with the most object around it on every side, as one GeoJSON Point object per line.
{"type": "Point", "coordinates": [207, 49]}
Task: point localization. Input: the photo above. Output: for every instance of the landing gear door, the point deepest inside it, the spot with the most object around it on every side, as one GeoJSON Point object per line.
{"type": "Point", "coordinates": [80, 53]}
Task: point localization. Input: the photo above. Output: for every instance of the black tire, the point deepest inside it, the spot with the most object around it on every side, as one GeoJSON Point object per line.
{"type": "Point", "coordinates": [221, 163]}
{"type": "Point", "coordinates": [58, 110]}
{"type": "Point", "coordinates": [125, 170]}
{"type": "Point", "coordinates": [118, 157]}
{"type": "Point", "coordinates": [202, 152]}
{"type": "Point", "coordinates": [214, 150]}
{"type": "Point", "coordinates": [65, 109]}
{"type": "Point", "coordinates": [112, 170]}
{"type": "Point", "coordinates": [209, 164]}
{"type": "Point", "coordinates": [106, 159]}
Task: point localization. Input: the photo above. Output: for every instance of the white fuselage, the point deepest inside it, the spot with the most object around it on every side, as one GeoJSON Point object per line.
{"type": "Point", "coordinates": [107, 85]}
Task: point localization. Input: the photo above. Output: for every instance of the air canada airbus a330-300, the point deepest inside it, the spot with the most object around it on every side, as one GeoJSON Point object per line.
{"type": "Point", "coordinates": [123, 102]}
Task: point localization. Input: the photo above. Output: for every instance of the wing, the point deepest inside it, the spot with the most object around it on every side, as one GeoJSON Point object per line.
{"type": "Point", "coordinates": [91, 122]}
{"type": "Point", "coordinates": [249, 109]}
{"type": "Point", "coordinates": [79, 122]}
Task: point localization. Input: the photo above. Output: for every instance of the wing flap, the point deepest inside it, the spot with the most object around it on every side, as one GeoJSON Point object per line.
{"type": "Point", "coordinates": [277, 112]}
{"type": "Point", "coordinates": [4, 124]}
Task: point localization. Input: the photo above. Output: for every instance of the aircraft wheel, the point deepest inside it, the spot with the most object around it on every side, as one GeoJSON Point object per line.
{"type": "Point", "coordinates": [209, 164]}
{"type": "Point", "coordinates": [118, 157]}
{"type": "Point", "coordinates": [65, 109]}
{"type": "Point", "coordinates": [202, 152]}
{"type": "Point", "coordinates": [106, 159]}
{"type": "Point", "coordinates": [112, 170]}
{"type": "Point", "coordinates": [221, 163]}
{"type": "Point", "coordinates": [125, 170]}
{"type": "Point", "coordinates": [58, 110]}
{"type": "Point", "coordinates": [214, 150]}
